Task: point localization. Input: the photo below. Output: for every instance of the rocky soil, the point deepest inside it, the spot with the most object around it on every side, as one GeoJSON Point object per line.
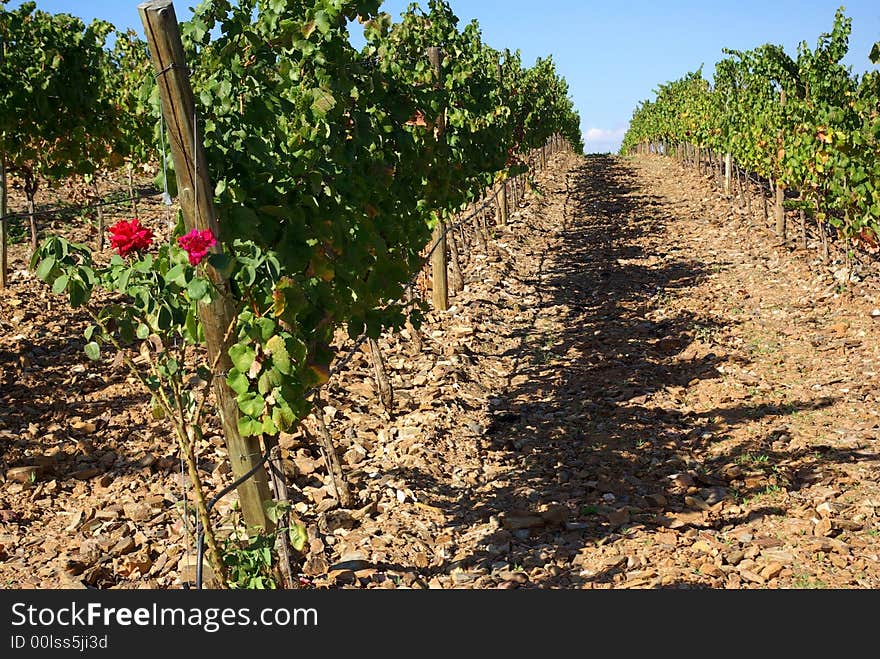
{"type": "Point", "coordinates": [638, 387]}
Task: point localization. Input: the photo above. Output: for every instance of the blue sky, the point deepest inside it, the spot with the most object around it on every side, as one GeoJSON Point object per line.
{"type": "Point", "coordinates": [613, 54]}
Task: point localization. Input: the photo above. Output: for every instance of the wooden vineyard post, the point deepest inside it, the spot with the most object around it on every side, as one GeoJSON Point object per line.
{"type": "Point", "coordinates": [503, 208]}
{"type": "Point", "coordinates": [197, 202]}
{"type": "Point", "coordinates": [728, 162]}
{"type": "Point", "coordinates": [440, 285]}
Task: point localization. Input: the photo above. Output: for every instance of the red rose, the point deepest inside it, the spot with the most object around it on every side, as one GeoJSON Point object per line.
{"type": "Point", "coordinates": [130, 236]}
{"type": "Point", "coordinates": [197, 243]}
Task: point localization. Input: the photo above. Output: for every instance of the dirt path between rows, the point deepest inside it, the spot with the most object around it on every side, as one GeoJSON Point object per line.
{"type": "Point", "coordinates": [634, 390]}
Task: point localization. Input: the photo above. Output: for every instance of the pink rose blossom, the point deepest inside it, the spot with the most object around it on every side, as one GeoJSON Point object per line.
{"type": "Point", "coordinates": [197, 243]}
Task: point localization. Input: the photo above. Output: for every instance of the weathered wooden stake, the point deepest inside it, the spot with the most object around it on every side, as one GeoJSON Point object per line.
{"type": "Point", "coordinates": [439, 265]}
{"type": "Point", "coordinates": [197, 202]}
{"type": "Point", "coordinates": [728, 166]}
{"type": "Point", "coordinates": [503, 209]}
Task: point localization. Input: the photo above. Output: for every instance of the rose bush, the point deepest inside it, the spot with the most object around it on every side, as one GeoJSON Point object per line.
{"type": "Point", "coordinates": [156, 318]}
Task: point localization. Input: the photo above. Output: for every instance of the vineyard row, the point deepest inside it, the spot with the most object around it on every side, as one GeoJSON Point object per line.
{"type": "Point", "coordinates": [310, 177]}
{"type": "Point", "coordinates": [806, 124]}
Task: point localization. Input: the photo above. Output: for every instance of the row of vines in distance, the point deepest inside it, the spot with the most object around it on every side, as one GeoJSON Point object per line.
{"type": "Point", "coordinates": [70, 106]}
{"type": "Point", "coordinates": [807, 123]}
{"type": "Point", "coordinates": [330, 167]}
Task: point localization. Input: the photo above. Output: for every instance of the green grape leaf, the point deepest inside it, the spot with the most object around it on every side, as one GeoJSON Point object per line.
{"type": "Point", "coordinates": [277, 348]}
{"type": "Point", "coordinates": [251, 404]}
{"type": "Point", "coordinates": [238, 381]}
{"type": "Point", "coordinates": [242, 356]}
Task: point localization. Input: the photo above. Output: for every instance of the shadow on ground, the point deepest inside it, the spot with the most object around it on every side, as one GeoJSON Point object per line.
{"type": "Point", "coordinates": [579, 429]}
{"type": "Point", "coordinates": [46, 388]}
